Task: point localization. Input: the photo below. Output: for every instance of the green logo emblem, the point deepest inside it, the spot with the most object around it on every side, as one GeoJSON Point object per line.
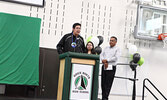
{"type": "Point", "coordinates": [81, 82]}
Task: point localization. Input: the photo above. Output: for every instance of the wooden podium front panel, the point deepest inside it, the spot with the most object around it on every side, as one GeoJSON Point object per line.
{"type": "Point", "coordinates": [66, 62]}
{"type": "Point", "coordinates": [61, 78]}
{"type": "Point", "coordinates": [83, 61]}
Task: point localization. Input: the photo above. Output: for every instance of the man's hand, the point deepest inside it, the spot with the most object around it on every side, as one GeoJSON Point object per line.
{"type": "Point", "coordinates": [106, 65]}
{"type": "Point", "coordinates": [104, 61]}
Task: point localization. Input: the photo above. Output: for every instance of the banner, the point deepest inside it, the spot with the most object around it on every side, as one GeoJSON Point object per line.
{"type": "Point", "coordinates": [19, 49]}
{"type": "Point", "coordinates": [81, 82]}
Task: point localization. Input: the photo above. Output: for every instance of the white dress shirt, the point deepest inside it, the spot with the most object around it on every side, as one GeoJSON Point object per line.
{"type": "Point", "coordinates": [111, 54]}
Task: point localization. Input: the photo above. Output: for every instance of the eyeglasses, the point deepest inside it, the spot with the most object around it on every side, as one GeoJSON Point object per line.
{"type": "Point", "coordinates": [112, 40]}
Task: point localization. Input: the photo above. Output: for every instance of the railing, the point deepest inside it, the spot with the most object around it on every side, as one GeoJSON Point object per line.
{"type": "Point", "coordinates": [144, 86]}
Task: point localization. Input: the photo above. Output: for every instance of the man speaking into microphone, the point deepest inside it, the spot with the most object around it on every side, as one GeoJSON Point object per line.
{"type": "Point", "coordinates": [72, 42]}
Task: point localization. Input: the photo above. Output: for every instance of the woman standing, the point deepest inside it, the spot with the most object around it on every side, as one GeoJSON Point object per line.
{"type": "Point", "coordinates": [90, 48]}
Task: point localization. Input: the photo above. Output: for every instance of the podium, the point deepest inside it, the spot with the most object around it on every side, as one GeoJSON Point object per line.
{"type": "Point", "coordinates": [78, 76]}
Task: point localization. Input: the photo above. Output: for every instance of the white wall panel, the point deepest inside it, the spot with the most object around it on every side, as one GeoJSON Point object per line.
{"type": "Point", "coordinates": [105, 18]}
{"type": "Point", "coordinates": [14, 8]}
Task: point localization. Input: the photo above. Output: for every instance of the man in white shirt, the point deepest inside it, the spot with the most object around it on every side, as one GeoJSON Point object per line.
{"type": "Point", "coordinates": [109, 58]}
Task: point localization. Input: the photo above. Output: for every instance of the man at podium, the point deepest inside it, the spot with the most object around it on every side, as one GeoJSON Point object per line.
{"type": "Point", "coordinates": [72, 42]}
{"type": "Point", "coordinates": [109, 58]}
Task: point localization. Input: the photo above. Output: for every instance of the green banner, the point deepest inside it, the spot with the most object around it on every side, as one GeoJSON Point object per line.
{"type": "Point", "coordinates": [19, 49]}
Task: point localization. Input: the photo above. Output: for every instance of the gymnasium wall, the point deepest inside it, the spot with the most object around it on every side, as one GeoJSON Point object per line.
{"type": "Point", "coordinates": [105, 18]}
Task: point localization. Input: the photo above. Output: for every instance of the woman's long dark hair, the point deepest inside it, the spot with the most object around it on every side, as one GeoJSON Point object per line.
{"type": "Point", "coordinates": [93, 49]}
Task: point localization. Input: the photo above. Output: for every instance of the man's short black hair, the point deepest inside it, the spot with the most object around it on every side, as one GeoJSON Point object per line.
{"type": "Point", "coordinates": [76, 24]}
{"type": "Point", "coordinates": [114, 37]}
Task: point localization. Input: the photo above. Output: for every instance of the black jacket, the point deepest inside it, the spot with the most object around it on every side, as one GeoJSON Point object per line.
{"type": "Point", "coordinates": [64, 44]}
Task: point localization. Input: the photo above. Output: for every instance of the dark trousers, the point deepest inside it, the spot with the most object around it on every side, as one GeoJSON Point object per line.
{"type": "Point", "coordinates": [107, 77]}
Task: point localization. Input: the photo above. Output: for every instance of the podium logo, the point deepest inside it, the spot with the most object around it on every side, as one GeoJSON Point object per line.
{"type": "Point", "coordinates": [81, 82]}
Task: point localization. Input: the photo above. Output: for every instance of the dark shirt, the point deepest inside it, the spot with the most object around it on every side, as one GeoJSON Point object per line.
{"type": "Point", "coordinates": [64, 44]}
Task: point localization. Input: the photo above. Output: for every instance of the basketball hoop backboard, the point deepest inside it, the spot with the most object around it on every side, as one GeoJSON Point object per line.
{"type": "Point", "coordinates": [151, 21]}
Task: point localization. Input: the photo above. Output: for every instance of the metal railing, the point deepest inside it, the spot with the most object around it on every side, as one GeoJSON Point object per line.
{"type": "Point", "coordinates": [144, 86]}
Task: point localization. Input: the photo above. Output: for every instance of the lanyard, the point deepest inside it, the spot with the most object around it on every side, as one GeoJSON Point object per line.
{"type": "Point", "coordinates": [72, 38]}
{"type": "Point", "coordinates": [74, 44]}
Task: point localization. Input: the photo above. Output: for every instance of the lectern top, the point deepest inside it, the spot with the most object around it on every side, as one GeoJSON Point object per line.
{"type": "Point", "coordinates": [79, 55]}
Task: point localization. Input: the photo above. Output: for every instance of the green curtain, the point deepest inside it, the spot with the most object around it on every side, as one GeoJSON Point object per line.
{"type": "Point", "coordinates": [19, 49]}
